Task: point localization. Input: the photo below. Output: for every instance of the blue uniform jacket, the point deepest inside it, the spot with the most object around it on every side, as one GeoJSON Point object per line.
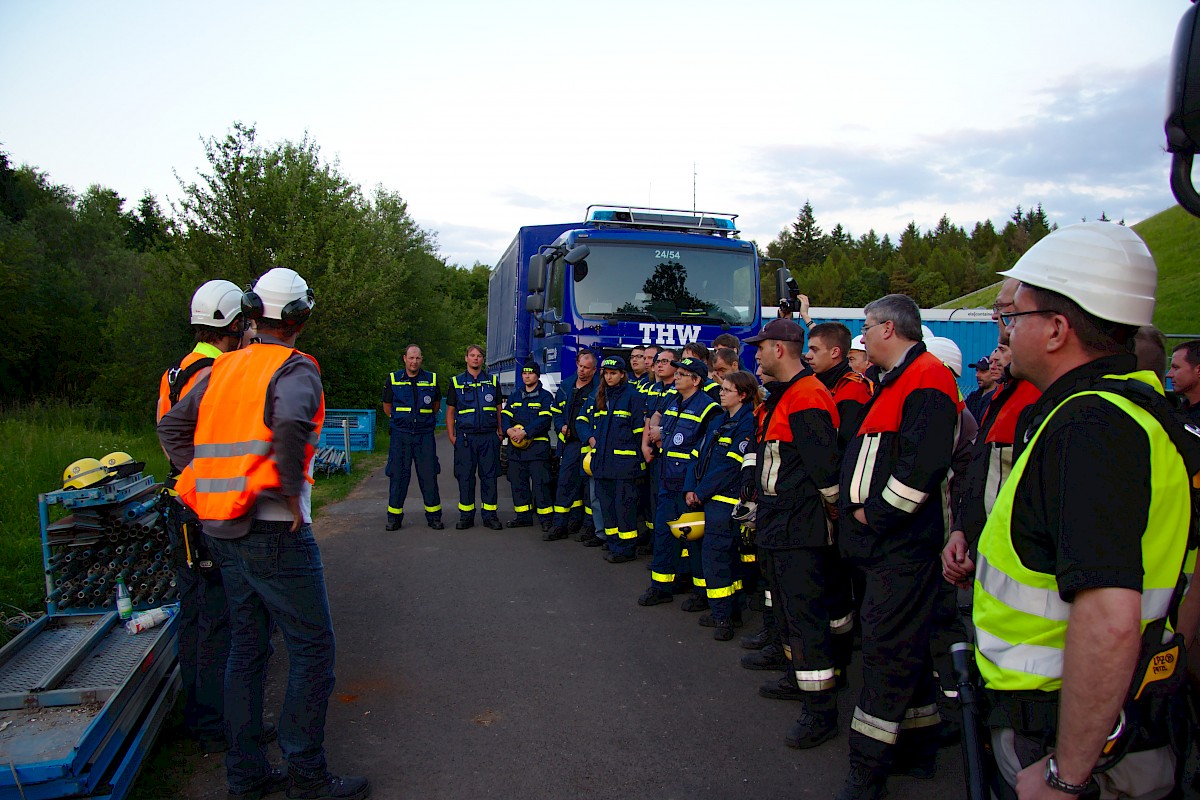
{"type": "Point", "coordinates": [476, 401]}
{"type": "Point", "coordinates": [413, 400]}
{"type": "Point", "coordinates": [684, 424]}
{"type": "Point", "coordinates": [716, 474]}
{"type": "Point", "coordinates": [562, 407]}
{"type": "Point", "coordinates": [531, 410]}
{"type": "Point", "coordinates": [618, 432]}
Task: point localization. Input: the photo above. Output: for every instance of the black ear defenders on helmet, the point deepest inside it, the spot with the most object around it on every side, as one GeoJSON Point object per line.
{"type": "Point", "coordinates": [296, 311]}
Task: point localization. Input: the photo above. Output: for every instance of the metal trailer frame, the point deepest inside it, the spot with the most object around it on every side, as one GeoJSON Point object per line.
{"type": "Point", "coordinates": [78, 690]}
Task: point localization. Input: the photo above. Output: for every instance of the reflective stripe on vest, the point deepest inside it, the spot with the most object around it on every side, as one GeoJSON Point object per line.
{"type": "Point", "coordinates": [1020, 618]}
{"type": "Point", "coordinates": [234, 460]}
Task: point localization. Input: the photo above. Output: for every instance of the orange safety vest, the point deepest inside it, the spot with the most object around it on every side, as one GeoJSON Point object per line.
{"type": "Point", "coordinates": [202, 351]}
{"type": "Point", "coordinates": [234, 460]}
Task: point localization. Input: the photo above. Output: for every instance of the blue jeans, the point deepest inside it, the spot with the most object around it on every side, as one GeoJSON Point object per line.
{"type": "Point", "coordinates": [273, 573]}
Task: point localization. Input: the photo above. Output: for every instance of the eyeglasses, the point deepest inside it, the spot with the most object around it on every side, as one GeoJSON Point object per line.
{"type": "Point", "coordinates": [726, 390]}
{"type": "Point", "coordinates": [663, 360]}
{"type": "Point", "coordinates": [866, 328]}
{"type": "Point", "coordinates": [997, 306]}
{"type": "Point", "coordinates": [1007, 319]}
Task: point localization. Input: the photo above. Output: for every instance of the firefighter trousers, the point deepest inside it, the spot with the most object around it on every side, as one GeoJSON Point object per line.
{"type": "Point", "coordinates": [530, 484]}
{"type": "Point", "coordinates": [477, 452]}
{"type": "Point", "coordinates": [406, 451]}
{"type": "Point", "coordinates": [800, 589]}
{"type": "Point", "coordinates": [571, 494]}
{"type": "Point", "coordinates": [718, 555]}
{"type": "Point", "coordinates": [897, 712]}
{"type": "Point", "coordinates": [669, 552]}
{"type": "Point", "coordinates": [618, 510]}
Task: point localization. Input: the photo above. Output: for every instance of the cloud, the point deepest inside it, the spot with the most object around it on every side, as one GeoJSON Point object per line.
{"type": "Point", "coordinates": [1081, 151]}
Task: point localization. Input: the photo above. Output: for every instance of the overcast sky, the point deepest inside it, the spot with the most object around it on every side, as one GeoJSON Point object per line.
{"type": "Point", "coordinates": [486, 116]}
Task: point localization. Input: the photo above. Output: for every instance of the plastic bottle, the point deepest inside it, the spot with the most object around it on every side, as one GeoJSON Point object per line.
{"type": "Point", "coordinates": [145, 620]}
{"type": "Point", "coordinates": [124, 603]}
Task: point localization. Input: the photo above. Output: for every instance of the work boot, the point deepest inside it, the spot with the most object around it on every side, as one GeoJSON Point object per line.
{"type": "Point", "coordinates": [863, 784]}
{"type": "Point", "coordinates": [436, 524]}
{"type": "Point", "coordinates": [463, 524]}
{"type": "Point", "coordinates": [924, 768]}
{"type": "Point", "coordinates": [723, 627]}
{"type": "Point", "coordinates": [619, 558]}
{"type": "Point", "coordinates": [394, 525]}
{"type": "Point", "coordinates": [493, 524]}
{"type": "Point", "coordinates": [328, 787]}
{"type": "Point", "coordinates": [655, 596]}
{"type": "Point", "coordinates": [695, 603]}
{"type": "Point", "coordinates": [593, 541]}
{"type": "Point", "coordinates": [757, 640]}
{"type": "Point", "coordinates": [783, 689]}
{"type": "Point", "coordinates": [585, 536]}
{"type": "Point", "coordinates": [770, 657]}
{"type": "Point", "coordinates": [519, 523]}
{"type": "Point", "coordinates": [645, 549]}
{"type": "Point", "coordinates": [547, 524]}
{"type": "Point", "coordinates": [275, 781]}
{"type": "Point", "coordinates": [811, 730]}
{"type": "Point", "coordinates": [555, 533]}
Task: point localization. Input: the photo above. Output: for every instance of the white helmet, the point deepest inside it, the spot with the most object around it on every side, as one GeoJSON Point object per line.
{"type": "Point", "coordinates": [926, 332]}
{"type": "Point", "coordinates": [857, 344]}
{"type": "Point", "coordinates": [1104, 267]}
{"type": "Point", "coordinates": [947, 352]}
{"type": "Point", "coordinates": [279, 294]}
{"type": "Point", "coordinates": [216, 304]}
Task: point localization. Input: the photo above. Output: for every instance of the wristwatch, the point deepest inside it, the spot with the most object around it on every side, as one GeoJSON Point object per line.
{"type": "Point", "coordinates": [1055, 782]}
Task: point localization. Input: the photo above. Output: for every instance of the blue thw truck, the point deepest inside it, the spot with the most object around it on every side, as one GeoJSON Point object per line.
{"type": "Point", "coordinates": [624, 276]}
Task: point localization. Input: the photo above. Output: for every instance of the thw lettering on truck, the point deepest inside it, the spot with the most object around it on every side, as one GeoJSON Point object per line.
{"type": "Point", "coordinates": [668, 334]}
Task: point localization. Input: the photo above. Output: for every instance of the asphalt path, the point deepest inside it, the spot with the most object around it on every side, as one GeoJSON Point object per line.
{"type": "Point", "coordinates": [480, 663]}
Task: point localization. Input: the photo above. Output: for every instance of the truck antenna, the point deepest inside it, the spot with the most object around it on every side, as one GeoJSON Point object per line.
{"type": "Point", "coordinates": [693, 187]}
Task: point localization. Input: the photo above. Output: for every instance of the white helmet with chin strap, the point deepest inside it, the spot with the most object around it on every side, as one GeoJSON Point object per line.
{"type": "Point", "coordinates": [1104, 267]}
{"type": "Point", "coordinates": [947, 351]}
{"type": "Point", "coordinates": [279, 294]}
{"type": "Point", "coordinates": [216, 304]}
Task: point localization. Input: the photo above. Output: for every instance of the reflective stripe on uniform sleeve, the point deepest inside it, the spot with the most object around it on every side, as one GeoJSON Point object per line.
{"type": "Point", "coordinates": [903, 497]}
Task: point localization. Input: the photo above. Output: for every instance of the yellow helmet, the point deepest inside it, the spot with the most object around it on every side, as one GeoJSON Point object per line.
{"type": "Point", "coordinates": [587, 463]}
{"type": "Point", "coordinates": [122, 465]}
{"type": "Point", "coordinates": [116, 459]}
{"type": "Point", "coordinates": [83, 473]}
{"type": "Point", "coordinates": [521, 445]}
{"type": "Point", "coordinates": [689, 526]}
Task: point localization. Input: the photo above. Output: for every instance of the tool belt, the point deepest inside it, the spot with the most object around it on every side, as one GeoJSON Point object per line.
{"type": "Point", "coordinates": [191, 551]}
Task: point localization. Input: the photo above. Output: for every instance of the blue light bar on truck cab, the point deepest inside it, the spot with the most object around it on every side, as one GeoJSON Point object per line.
{"type": "Point", "coordinates": [709, 222]}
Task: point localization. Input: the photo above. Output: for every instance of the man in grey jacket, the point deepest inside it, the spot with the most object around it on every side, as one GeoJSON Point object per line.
{"type": "Point", "coordinates": [247, 434]}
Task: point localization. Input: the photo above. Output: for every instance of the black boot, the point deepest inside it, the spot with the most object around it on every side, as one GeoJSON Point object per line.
{"type": "Point", "coordinates": [863, 784]}
{"type": "Point", "coordinates": [812, 729]}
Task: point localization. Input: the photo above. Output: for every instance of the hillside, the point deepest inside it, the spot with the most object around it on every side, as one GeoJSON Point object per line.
{"type": "Point", "coordinates": [1173, 236]}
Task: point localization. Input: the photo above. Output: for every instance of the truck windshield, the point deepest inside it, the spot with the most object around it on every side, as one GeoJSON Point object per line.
{"type": "Point", "coordinates": [660, 282]}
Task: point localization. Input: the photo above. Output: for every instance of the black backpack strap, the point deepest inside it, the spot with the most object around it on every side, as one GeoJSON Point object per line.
{"type": "Point", "coordinates": [178, 378]}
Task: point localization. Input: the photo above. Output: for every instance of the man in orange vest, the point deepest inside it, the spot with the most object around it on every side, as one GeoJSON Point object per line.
{"type": "Point", "coordinates": [247, 434]}
{"type": "Point", "coordinates": [216, 317]}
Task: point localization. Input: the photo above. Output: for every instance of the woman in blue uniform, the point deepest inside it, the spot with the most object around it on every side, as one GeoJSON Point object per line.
{"type": "Point", "coordinates": [714, 484]}
{"type": "Point", "coordinates": [616, 436]}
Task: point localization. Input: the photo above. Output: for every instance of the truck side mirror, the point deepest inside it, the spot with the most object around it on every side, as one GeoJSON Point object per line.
{"type": "Point", "coordinates": [533, 303]}
{"type": "Point", "coordinates": [577, 253]}
{"type": "Point", "coordinates": [537, 273]}
{"type": "Point", "coordinates": [1183, 110]}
